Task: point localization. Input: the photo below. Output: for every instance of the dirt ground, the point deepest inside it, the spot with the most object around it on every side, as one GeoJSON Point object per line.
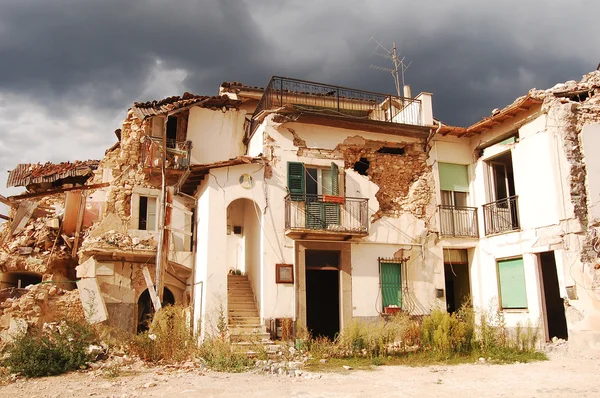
{"type": "Point", "coordinates": [564, 375]}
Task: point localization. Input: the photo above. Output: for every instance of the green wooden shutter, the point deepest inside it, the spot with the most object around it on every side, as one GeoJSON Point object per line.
{"type": "Point", "coordinates": [296, 182]}
{"type": "Point", "coordinates": [314, 215]}
{"type": "Point", "coordinates": [453, 177]}
{"type": "Point", "coordinates": [331, 213]}
{"type": "Point", "coordinates": [391, 284]}
{"type": "Point", "coordinates": [511, 275]}
{"type": "Point", "coordinates": [335, 183]}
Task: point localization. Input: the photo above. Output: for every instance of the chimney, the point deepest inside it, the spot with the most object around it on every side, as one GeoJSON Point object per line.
{"type": "Point", "coordinates": [406, 91]}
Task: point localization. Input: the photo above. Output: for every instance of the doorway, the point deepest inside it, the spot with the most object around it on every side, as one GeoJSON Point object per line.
{"type": "Point", "coordinates": [457, 282]}
{"type": "Point", "coordinates": [146, 310]}
{"type": "Point", "coordinates": [323, 293]}
{"type": "Point", "coordinates": [556, 322]}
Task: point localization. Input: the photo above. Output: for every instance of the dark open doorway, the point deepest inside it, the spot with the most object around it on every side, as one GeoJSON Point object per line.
{"type": "Point", "coordinates": [323, 293]}
{"type": "Point", "coordinates": [556, 322]}
{"type": "Point", "coordinates": [456, 274]}
{"type": "Point", "coordinates": [146, 310]}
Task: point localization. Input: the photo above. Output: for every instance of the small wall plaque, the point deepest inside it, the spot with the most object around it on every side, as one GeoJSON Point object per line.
{"type": "Point", "coordinates": [246, 181]}
{"type": "Point", "coordinates": [284, 273]}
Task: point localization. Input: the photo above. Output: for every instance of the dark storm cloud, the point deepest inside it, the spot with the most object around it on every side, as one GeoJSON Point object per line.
{"type": "Point", "coordinates": [69, 69]}
{"type": "Point", "coordinates": [473, 56]}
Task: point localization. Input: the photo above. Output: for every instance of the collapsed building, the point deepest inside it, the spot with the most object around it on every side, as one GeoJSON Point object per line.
{"type": "Point", "coordinates": [312, 204]}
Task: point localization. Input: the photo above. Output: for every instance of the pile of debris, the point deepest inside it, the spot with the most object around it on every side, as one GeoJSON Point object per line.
{"type": "Point", "coordinates": [117, 240]}
{"type": "Point", "coordinates": [22, 309]}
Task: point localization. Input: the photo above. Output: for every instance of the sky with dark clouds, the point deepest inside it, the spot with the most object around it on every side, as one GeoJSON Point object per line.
{"type": "Point", "coordinates": [69, 69]}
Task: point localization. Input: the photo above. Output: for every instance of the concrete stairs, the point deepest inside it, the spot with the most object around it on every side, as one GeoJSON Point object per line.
{"type": "Point", "coordinates": [245, 328]}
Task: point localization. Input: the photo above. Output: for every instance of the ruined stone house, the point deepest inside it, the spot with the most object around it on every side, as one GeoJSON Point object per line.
{"type": "Point", "coordinates": [518, 194]}
{"type": "Point", "coordinates": [319, 196]}
{"type": "Point", "coordinates": [315, 204]}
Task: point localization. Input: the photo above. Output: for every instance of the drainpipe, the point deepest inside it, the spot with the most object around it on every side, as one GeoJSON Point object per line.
{"type": "Point", "coordinates": [433, 134]}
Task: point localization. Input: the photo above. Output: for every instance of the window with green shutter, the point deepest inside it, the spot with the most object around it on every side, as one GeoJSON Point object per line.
{"type": "Point", "coordinates": [296, 181]}
{"type": "Point", "coordinates": [453, 177]}
{"type": "Point", "coordinates": [391, 284]}
{"type": "Point", "coordinates": [511, 282]}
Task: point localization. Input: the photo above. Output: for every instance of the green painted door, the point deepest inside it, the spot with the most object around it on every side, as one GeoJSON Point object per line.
{"type": "Point", "coordinates": [391, 284]}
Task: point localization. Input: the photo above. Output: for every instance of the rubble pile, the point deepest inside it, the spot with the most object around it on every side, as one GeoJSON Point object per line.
{"type": "Point", "coordinates": [118, 240]}
{"type": "Point", "coordinates": [39, 304]}
{"type": "Point", "coordinates": [39, 246]}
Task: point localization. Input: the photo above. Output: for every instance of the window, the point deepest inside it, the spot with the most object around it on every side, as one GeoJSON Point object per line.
{"type": "Point", "coordinates": [147, 213]}
{"type": "Point", "coordinates": [511, 283]}
{"type": "Point", "coordinates": [318, 188]}
{"type": "Point", "coordinates": [454, 184]}
{"type": "Point", "coordinates": [310, 181]}
{"type": "Point", "coordinates": [391, 284]}
{"type": "Point", "coordinates": [501, 214]}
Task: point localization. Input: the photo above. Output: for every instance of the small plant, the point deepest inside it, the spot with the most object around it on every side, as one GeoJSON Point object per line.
{"type": "Point", "coordinates": [169, 338]}
{"type": "Point", "coordinates": [219, 355]}
{"type": "Point", "coordinates": [52, 351]}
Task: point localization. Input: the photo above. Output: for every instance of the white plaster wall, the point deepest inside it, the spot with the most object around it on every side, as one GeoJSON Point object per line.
{"type": "Point", "coordinates": [252, 240]}
{"type": "Point", "coordinates": [255, 146]}
{"type": "Point", "coordinates": [215, 135]}
{"type": "Point", "coordinates": [590, 139]}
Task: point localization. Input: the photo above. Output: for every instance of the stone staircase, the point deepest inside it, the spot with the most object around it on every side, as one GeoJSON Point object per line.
{"type": "Point", "coordinates": [245, 327]}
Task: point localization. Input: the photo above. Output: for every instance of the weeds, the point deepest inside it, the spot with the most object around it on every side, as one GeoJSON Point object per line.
{"type": "Point", "coordinates": [219, 355]}
{"type": "Point", "coordinates": [52, 351]}
{"type": "Point", "coordinates": [440, 337]}
{"type": "Point", "coordinates": [168, 339]}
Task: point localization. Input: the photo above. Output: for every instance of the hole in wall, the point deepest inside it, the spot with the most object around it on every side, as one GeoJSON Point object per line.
{"type": "Point", "coordinates": [362, 166]}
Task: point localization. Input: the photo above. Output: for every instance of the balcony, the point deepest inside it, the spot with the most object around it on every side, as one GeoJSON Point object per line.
{"type": "Point", "coordinates": [501, 216]}
{"type": "Point", "coordinates": [323, 216]}
{"type": "Point", "coordinates": [177, 154]}
{"type": "Point", "coordinates": [458, 221]}
{"type": "Point", "coordinates": [332, 100]}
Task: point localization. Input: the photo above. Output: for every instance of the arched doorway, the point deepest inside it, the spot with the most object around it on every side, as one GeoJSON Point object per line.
{"type": "Point", "coordinates": [243, 242]}
{"type": "Point", "coordinates": [146, 310]}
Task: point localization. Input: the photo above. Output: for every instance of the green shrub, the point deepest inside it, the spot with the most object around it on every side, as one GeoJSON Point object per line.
{"type": "Point", "coordinates": [51, 352]}
{"type": "Point", "coordinates": [446, 333]}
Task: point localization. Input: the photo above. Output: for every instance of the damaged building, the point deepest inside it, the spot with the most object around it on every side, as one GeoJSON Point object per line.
{"type": "Point", "coordinates": [518, 194]}
{"type": "Point", "coordinates": [312, 204]}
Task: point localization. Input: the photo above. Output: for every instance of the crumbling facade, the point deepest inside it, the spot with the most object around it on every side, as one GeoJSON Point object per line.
{"type": "Point", "coordinates": [518, 216]}
{"type": "Point", "coordinates": [315, 204]}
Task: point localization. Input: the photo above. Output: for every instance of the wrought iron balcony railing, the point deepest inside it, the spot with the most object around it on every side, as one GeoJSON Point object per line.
{"type": "Point", "coordinates": [337, 101]}
{"type": "Point", "coordinates": [326, 213]}
{"type": "Point", "coordinates": [458, 221]}
{"type": "Point", "coordinates": [501, 216]}
{"type": "Point", "coordinates": [177, 153]}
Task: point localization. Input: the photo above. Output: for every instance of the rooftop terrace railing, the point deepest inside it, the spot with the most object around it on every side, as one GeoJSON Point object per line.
{"type": "Point", "coordinates": [337, 101]}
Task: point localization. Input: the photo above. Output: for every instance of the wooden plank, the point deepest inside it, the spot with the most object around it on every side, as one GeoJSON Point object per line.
{"type": "Point", "coordinates": [24, 213]}
{"type": "Point", "coordinates": [164, 254]}
{"type": "Point", "coordinates": [3, 217]}
{"type": "Point", "coordinates": [61, 190]}
{"type": "Point", "coordinates": [153, 296]}
{"type": "Point", "coordinates": [7, 202]}
{"type": "Point", "coordinates": [79, 222]}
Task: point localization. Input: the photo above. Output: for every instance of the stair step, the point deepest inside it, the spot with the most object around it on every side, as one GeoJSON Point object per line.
{"type": "Point", "coordinates": [245, 320]}
{"type": "Point", "coordinates": [250, 337]}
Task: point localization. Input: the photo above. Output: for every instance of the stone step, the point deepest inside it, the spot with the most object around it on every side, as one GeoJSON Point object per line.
{"type": "Point", "coordinates": [242, 305]}
{"type": "Point", "coordinates": [250, 337]}
{"type": "Point", "coordinates": [250, 328]}
{"type": "Point", "coordinates": [243, 320]}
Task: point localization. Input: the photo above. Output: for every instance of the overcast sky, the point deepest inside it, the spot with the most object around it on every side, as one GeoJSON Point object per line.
{"type": "Point", "coordinates": [69, 69]}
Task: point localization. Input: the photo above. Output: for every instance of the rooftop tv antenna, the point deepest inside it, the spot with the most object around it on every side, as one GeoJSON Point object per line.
{"type": "Point", "coordinates": [399, 68]}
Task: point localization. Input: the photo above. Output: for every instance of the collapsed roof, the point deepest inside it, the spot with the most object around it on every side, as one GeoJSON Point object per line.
{"type": "Point", "coordinates": [28, 173]}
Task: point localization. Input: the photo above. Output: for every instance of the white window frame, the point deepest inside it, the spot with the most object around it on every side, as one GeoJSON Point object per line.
{"type": "Point", "coordinates": [135, 207]}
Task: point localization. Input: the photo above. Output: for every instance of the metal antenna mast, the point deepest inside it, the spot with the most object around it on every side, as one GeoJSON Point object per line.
{"type": "Point", "coordinates": [399, 66]}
